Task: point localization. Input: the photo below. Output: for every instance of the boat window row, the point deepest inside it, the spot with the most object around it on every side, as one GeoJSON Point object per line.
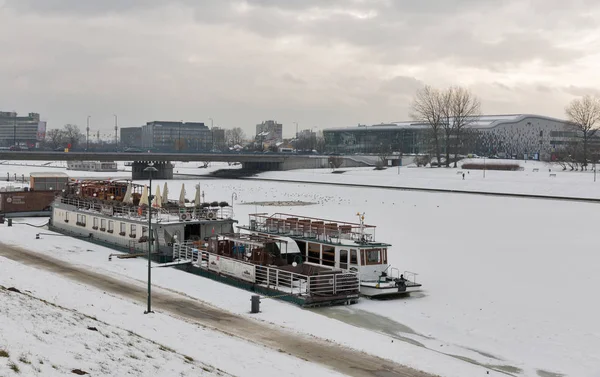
{"type": "Point", "coordinates": [101, 224]}
{"type": "Point", "coordinates": [326, 255]}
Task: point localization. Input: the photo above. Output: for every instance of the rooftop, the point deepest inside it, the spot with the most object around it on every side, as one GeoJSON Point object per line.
{"type": "Point", "coordinates": [48, 175]}
{"type": "Point", "coordinates": [483, 121]}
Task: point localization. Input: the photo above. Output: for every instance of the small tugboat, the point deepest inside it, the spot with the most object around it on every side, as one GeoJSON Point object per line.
{"type": "Point", "coordinates": [115, 213]}
{"type": "Point", "coordinates": [338, 246]}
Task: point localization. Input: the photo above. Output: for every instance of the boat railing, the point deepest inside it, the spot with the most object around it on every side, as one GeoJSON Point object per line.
{"type": "Point", "coordinates": [325, 283]}
{"type": "Point", "coordinates": [181, 213]}
{"type": "Point", "coordinates": [305, 227]}
{"type": "Point", "coordinates": [407, 275]}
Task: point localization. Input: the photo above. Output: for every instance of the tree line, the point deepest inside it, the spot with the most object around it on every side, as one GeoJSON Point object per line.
{"type": "Point", "coordinates": [449, 114]}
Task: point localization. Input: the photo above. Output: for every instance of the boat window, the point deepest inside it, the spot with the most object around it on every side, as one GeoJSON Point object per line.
{"type": "Point", "coordinates": [67, 216]}
{"type": "Point", "coordinates": [132, 228]}
{"type": "Point", "coordinates": [302, 247]}
{"type": "Point", "coordinates": [314, 253]}
{"type": "Point", "coordinates": [373, 256]}
{"type": "Point", "coordinates": [344, 259]}
{"type": "Point", "coordinates": [123, 228]}
{"type": "Point", "coordinates": [353, 257]}
{"type": "Point", "coordinates": [384, 255]}
{"type": "Point", "coordinates": [328, 255]}
{"type": "Point", "coordinates": [110, 225]}
{"type": "Point", "coordinates": [102, 224]}
{"type": "Point", "coordinates": [96, 222]}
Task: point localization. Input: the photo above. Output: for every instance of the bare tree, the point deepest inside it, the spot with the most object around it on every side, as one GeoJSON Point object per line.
{"type": "Point", "coordinates": [447, 122]}
{"type": "Point", "coordinates": [234, 136]}
{"type": "Point", "coordinates": [72, 135]}
{"type": "Point", "coordinates": [55, 138]}
{"type": "Point", "coordinates": [427, 107]}
{"type": "Point", "coordinates": [460, 108]}
{"type": "Point", "coordinates": [584, 117]}
{"type": "Point", "coordinates": [466, 109]}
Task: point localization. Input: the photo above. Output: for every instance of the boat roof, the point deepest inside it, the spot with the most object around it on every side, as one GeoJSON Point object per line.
{"type": "Point", "coordinates": [48, 175]}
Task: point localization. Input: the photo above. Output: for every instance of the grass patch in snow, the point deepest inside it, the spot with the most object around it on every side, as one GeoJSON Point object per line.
{"type": "Point", "coordinates": [14, 367]}
{"type": "Point", "coordinates": [3, 353]}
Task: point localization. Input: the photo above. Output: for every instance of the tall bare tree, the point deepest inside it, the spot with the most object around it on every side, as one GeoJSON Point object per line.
{"type": "Point", "coordinates": [460, 108]}
{"type": "Point", "coordinates": [234, 136]}
{"type": "Point", "coordinates": [427, 107]}
{"type": "Point", "coordinates": [55, 138]}
{"type": "Point", "coordinates": [72, 135]}
{"type": "Point", "coordinates": [447, 122]}
{"type": "Point", "coordinates": [465, 109]}
{"type": "Point", "coordinates": [584, 118]}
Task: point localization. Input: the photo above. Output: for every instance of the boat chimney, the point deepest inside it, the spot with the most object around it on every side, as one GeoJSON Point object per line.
{"type": "Point", "coordinates": [361, 217]}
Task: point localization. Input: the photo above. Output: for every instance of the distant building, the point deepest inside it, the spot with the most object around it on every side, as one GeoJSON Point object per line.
{"type": "Point", "coordinates": [218, 137]}
{"type": "Point", "coordinates": [177, 136]}
{"type": "Point", "coordinates": [516, 135]}
{"type": "Point", "coordinates": [269, 132]}
{"type": "Point", "coordinates": [26, 131]}
{"type": "Point", "coordinates": [131, 137]}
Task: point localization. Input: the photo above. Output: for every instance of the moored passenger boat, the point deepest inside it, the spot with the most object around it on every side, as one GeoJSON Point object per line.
{"type": "Point", "coordinates": [116, 213]}
{"type": "Point", "coordinates": [337, 245]}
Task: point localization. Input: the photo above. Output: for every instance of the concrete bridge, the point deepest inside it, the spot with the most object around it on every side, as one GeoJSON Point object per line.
{"type": "Point", "coordinates": [162, 161]}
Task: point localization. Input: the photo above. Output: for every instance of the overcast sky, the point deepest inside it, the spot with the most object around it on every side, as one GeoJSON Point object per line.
{"type": "Point", "coordinates": [319, 63]}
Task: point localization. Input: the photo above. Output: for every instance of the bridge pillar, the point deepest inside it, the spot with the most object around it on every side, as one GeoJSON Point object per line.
{"type": "Point", "coordinates": [165, 170]}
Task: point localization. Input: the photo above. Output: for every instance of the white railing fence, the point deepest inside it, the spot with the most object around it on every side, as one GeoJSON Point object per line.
{"type": "Point", "coordinates": [327, 283]}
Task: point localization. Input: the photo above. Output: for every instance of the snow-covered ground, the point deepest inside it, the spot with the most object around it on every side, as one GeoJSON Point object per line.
{"type": "Point", "coordinates": [42, 339]}
{"type": "Point", "coordinates": [127, 342]}
{"type": "Point", "coordinates": [508, 283]}
{"type": "Point", "coordinates": [284, 315]}
{"type": "Point", "coordinates": [547, 179]}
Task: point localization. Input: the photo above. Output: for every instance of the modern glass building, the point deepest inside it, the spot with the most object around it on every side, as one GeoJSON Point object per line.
{"type": "Point", "coordinates": [514, 135]}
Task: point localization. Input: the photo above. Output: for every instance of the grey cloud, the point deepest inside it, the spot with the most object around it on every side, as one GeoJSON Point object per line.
{"type": "Point", "coordinates": [214, 55]}
{"type": "Point", "coordinates": [581, 90]}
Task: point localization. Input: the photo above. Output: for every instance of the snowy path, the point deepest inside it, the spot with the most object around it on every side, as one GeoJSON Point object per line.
{"type": "Point", "coordinates": [343, 360]}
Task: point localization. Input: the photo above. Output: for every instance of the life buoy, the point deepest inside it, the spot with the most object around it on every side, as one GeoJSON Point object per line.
{"type": "Point", "coordinates": [140, 211]}
{"type": "Point", "coordinates": [183, 216]}
{"type": "Point", "coordinates": [210, 215]}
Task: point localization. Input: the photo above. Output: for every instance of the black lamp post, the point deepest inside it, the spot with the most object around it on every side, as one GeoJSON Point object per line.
{"type": "Point", "coordinates": [15, 130]}
{"type": "Point", "coordinates": [150, 169]}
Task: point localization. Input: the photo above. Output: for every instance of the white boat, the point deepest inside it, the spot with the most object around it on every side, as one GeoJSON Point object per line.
{"type": "Point", "coordinates": [338, 245]}
{"type": "Point", "coordinates": [115, 213]}
{"type": "Point", "coordinates": [100, 166]}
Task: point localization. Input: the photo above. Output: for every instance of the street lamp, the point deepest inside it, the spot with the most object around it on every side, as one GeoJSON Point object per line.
{"type": "Point", "coordinates": [233, 196]}
{"type": "Point", "coordinates": [150, 169]}
{"type": "Point", "coordinates": [88, 134]}
{"type": "Point", "coordinates": [116, 132]}
{"type": "Point", "coordinates": [211, 134]}
{"type": "Point", "coordinates": [15, 129]}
